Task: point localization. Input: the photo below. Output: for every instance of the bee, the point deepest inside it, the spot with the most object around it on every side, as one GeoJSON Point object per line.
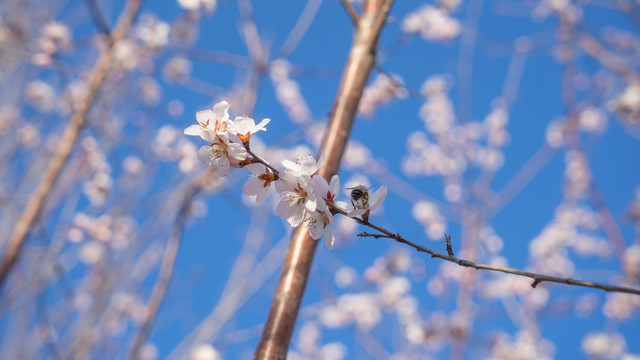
{"type": "Point", "coordinates": [360, 197]}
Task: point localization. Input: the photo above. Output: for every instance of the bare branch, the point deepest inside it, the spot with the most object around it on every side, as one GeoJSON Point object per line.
{"type": "Point", "coordinates": [166, 266]}
{"type": "Point", "coordinates": [295, 271]}
{"type": "Point", "coordinates": [353, 14]}
{"type": "Point", "coordinates": [97, 17]}
{"type": "Point", "coordinates": [538, 278]}
{"type": "Point", "coordinates": [300, 28]}
{"type": "Point", "coordinates": [592, 46]}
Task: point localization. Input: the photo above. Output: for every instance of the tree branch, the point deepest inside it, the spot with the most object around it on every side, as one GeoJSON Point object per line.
{"type": "Point", "coordinates": [281, 320]}
{"type": "Point", "coordinates": [537, 278]}
{"type": "Point", "coordinates": [353, 14]}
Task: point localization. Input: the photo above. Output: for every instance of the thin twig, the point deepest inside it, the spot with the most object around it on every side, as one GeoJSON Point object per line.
{"type": "Point", "coordinates": [300, 28]}
{"type": "Point", "coordinates": [166, 266]}
{"type": "Point", "coordinates": [449, 248]}
{"type": "Point", "coordinates": [592, 46]}
{"type": "Point", "coordinates": [353, 14]}
{"type": "Point", "coordinates": [413, 93]}
{"type": "Point", "coordinates": [538, 278]}
{"type": "Point", "coordinates": [97, 17]}
{"type": "Point", "coordinates": [258, 159]}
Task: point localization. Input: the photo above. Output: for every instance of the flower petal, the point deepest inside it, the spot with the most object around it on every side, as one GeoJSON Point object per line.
{"type": "Point", "coordinates": [262, 194]}
{"type": "Point", "coordinates": [296, 215]}
{"type": "Point", "coordinates": [243, 124]}
{"type": "Point", "coordinates": [311, 204]}
{"type": "Point", "coordinates": [261, 126]}
{"type": "Point", "coordinates": [257, 169]}
{"type": "Point", "coordinates": [316, 227]}
{"type": "Point", "coordinates": [237, 151]}
{"type": "Point", "coordinates": [221, 109]}
{"type": "Point", "coordinates": [282, 209]}
{"type": "Point", "coordinates": [286, 182]}
{"type": "Point", "coordinates": [308, 165]}
{"type": "Point", "coordinates": [329, 240]}
{"type": "Point", "coordinates": [356, 212]}
{"type": "Point", "coordinates": [223, 166]}
{"type": "Point", "coordinates": [329, 216]}
{"type": "Point", "coordinates": [334, 185]}
{"type": "Point", "coordinates": [282, 186]}
{"type": "Point", "coordinates": [378, 197]}
{"type": "Point", "coordinates": [252, 187]}
{"type": "Point", "coordinates": [342, 205]}
{"type": "Point", "coordinates": [205, 117]}
{"type": "Point", "coordinates": [204, 155]}
{"type": "Point", "coordinates": [193, 130]}
{"type": "Point", "coordinates": [320, 186]}
{"type": "Point", "coordinates": [292, 167]}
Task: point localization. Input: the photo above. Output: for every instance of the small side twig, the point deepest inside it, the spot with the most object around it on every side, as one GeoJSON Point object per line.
{"type": "Point", "coordinates": [258, 159]}
{"type": "Point", "coordinates": [97, 16]}
{"type": "Point", "coordinates": [353, 14]}
{"type": "Point", "coordinates": [167, 265]}
{"type": "Point", "coordinates": [449, 248]}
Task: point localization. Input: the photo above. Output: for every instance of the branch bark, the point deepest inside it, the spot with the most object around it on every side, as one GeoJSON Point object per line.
{"type": "Point", "coordinates": [537, 278]}
{"type": "Point", "coordinates": [286, 301]}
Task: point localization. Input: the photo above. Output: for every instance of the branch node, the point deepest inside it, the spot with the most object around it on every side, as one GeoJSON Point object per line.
{"type": "Point", "coordinates": [535, 283]}
{"type": "Point", "coordinates": [465, 263]}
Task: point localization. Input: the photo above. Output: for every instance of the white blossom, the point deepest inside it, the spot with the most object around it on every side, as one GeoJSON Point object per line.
{"type": "Point", "coordinates": [428, 214]}
{"type": "Point", "coordinates": [296, 196]}
{"type": "Point", "coordinates": [432, 23]}
{"type": "Point", "coordinates": [194, 5]}
{"type": "Point", "coordinates": [204, 352]}
{"type": "Point", "coordinates": [304, 165]}
{"type": "Point", "coordinates": [211, 123]}
{"type": "Point", "coordinates": [602, 345]}
{"type": "Point", "coordinates": [258, 186]}
{"type": "Point", "coordinates": [319, 223]}
{"type": "Point", "coordinates": [245, 127]}
{"type": "Point", "coordinates": [219, 152]}
{"type": "Point", "coordinates": [153, 32]}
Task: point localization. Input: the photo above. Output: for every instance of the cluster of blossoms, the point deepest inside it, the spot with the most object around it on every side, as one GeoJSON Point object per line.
{"type": "Point", "coordinates": [433, 23]}
{"type": "Point", "coordinates": [304, 196]}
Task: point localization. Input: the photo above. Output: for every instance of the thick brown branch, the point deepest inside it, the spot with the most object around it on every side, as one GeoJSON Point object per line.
{"type": "Point", "coordinates": [39, 196]}
{"type": "Point", "coordinates": [286, 301]}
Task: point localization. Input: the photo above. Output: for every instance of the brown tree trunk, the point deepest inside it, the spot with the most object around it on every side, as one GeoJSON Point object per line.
{"type": "Point", "coordinates": [286, 301]}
